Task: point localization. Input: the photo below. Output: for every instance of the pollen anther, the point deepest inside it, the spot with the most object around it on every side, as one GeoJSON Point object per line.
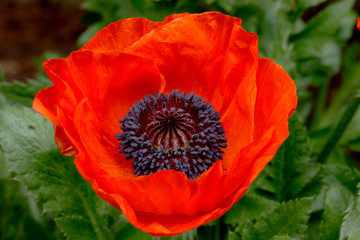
{"type": "Point", "coordinates": [178, 132]}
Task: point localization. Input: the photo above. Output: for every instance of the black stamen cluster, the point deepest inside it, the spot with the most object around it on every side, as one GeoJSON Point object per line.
{"type": "Point", "coordinates": [196, 123]}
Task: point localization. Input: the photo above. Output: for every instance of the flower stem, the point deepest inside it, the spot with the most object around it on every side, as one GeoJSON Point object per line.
{"type": "Point", "coordinates": [320, 103]}
{"type": "Point", "coordinates": [219, 231]}
{"type": "Point", "coordinates": [343, 93]}
{"type": "Point", "coordinates": [339, 129]}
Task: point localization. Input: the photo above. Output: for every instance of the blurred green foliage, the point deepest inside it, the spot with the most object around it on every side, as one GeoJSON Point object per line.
{"type": "Point", "coordinates": [297, 196]}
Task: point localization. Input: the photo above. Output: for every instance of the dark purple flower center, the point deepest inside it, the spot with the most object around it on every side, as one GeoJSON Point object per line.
{"type": "Point", "coordinates": [171, 128]}
{"type": "Point", "coordinates": [178, 132]}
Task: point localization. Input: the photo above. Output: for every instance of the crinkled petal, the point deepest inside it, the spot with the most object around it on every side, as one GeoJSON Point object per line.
{"type": "Point", "coordinates": [144, 195]}
{"type": "Point", "coordinates": [219, 64]}
{"type": "Point", "coordinates": [213, 64]}
{"type": "Point", "coordinates": [112, 81]}
{"type": "Point", "coordinates": [65, 145]}
{"type": "Point", "coordinates": [276, 97]}
{"type": "Point", "coordinates": [119, 35]}
{"type": "Point", "coordinates": [45, 103]}
{"type": "Point", "coordinates": [275, 101]}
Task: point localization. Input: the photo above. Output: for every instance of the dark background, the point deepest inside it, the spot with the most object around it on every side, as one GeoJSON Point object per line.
{"type": "Point", "coordinates": [29, 27]}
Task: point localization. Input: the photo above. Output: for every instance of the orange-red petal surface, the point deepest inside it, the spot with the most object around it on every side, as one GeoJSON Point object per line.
{"type": "Point", "coordinates": [276, 97]}
{"type": "Point", "coordinates": [101, 77]}
{"type": "Point", "coordinates": [209, 54]}
{"type": "Point", "coordinates": [220, 65]}
{"type": "Point", "coordinates": [214, 63]}
{"type": "Point", "coordinates": [119, 35]}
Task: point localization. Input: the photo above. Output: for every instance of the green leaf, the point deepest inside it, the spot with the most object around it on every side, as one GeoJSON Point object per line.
{"type": "Point", "coordinates": [324, 24]}
{"type": "Point", "coordinates": [272, 22]}
{"type": "Point", "coordinates": [352, 132]}
{"type": "Point", "coordinates": [350, 74]}
{"type": "Point", "coordinates": [34, 230]}
{"type": "Point", "coordinates": [13, 206]}
{"type": "Point", "coordinates": [288, 219]}
{"type": "Point", "coordinates": [20, 216]}
{"type": "Point", "coordinates": [228, 5]}
{"type": "Point", "coordinates": [210, 1]}
{"type": "Point", "coordinates": [129, 232]}
{"type": "Point", "coordinates": [189, 235]}
{"type": "Point", "coordinates": [158, 10]}
{"type": "Point", "coordinates": [27, 141]}
{"type": "Point", "coordinates": [303, 4]}
{"type": "Point", "coordinates": [339, 129]}
{"type": "Point", "coordinates": [4, 169]}
{"type": "Point", "coordinates": [349, 177]}
{"type": "Point", "coordinates": [110, 10]}
{"type": "Point", "coordinates": [336, 201]}
{"type": "Point", "coordinates": [21, 94]}
{"type": "Point", "coordinates": [249, 206]}
{"type": "Point", "coordinates": [281, 238]}
{"type": "Point", "coordinates": [122, 229]}
{"type": "Point", "coordinates": [233, 236]}
{"type": "Point", "coordinates": [317, 46]}
{"type": "Point", "coordinates": [355, 145]}
{"type": "Point", "coordinates": [350, 227]}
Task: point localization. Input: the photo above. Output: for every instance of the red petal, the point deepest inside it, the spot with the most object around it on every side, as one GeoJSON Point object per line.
{"type": "Point", "coordinates": [45, 103]}
{"type": "Point", "coordinates": [238, 122]}
{"type": "Point", "coordinates": [112, 82]}
{"type": "Point", "coordinates": [65, 145]}
{"type": "Point", "coordinates": [276, 98]}
{"type": "Point", "coordinates": [174, 16]}
{"type": "Point", "coordinates": [208, 54]}
{"type": "Point", "coordinates": [187, 204]}
{"type": "Point", "coordinates": [275, 101]}
{"type": "Point", "coordinates": [250, 161]}
{"type": "Point", "coordinates": [219, 64]}
{"type": "Point", "coordinates": [119, 35]}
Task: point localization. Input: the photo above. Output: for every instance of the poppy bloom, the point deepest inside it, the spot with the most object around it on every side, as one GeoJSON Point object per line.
{"type": "Point", "coordinates": [200, 113]}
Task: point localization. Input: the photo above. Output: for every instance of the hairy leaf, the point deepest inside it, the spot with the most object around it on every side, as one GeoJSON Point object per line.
{"type": "Point", "coordinates": [27, 141]}
{"type": "Point", "coordinates": [350, 227]}
{"type": "Point", "coordinates": [4, 172]}
{"type": "Point", "coordinates": [249, 206]}
{"type": "Point", "coordinates": [336, 201]}
{"type": "Point", "coordinates": [342, 174]}
{"type": "Point", "coordinates": [19, 93]}
{"type": "Point", "coordinates": [288, 219]}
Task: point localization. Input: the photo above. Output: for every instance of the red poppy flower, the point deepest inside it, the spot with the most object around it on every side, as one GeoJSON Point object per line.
{"type": "Point", "coordinates": [209, 55]}
{"type": "Point", "coordinates": [358, 23]}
